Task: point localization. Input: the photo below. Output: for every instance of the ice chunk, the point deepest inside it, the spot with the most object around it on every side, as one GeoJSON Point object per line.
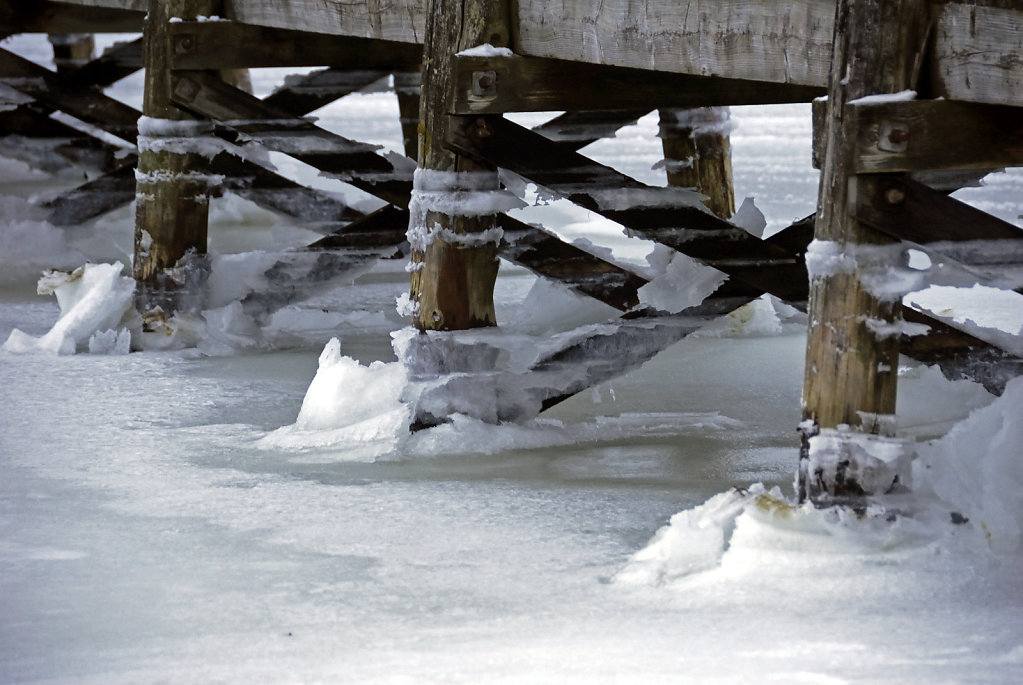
{"type": "Point", "coordinates": [94, 297]}
{"type": "Point", "coordinates": [486, 50]}
{"type": "Point", "coordinates": [749, 217]}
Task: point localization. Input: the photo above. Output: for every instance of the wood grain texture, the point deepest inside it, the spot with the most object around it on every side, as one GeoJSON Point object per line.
{"type": "Point", "coordinates": [228, 45]}
{"type": "Point", "coordinates": [979, 54]}
{"type": "Point", "coordinates": [398, 20]}
{"type": "Point", "coordinates": [785, 41]}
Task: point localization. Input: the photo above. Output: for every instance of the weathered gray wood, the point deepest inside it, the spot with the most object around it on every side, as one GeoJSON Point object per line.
{"type": "Point", "coordinates": [784, 41]}
{"type": "Point", "coordinates": [698, 154]}
{"type": "Point", "coordinates": [578, 129]}
{"type": "Point", "coordinates": [397, 20]}
{"type": "Point", "coordinates": [452, 287]}
{"type": "Point", "coordinates": [228, 45]}
{"type": "Point", "coordinates": [850, 371]}
{"type": "Point", "coordinates": [526, 84]}
{"type": "Point", "coordinates": [929, 135]}
{"type": "Point", "coordinates": [316, 89]}
{"type": "Point", "coordinates": [979, 54]}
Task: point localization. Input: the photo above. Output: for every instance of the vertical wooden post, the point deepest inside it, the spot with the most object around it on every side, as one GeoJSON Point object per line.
{"type": "Point", "coordinates": [851, 370]}
{"type": "Point", "coordinates": [697, 154]}
{"type": "Point", "coordinates": [406, 88]}
{"type": "Point", "coordinates": [172, 194]}
{"type": "Point", "coordinates": [71, 50]}
{"type": "Point", "coordinates": [455, 263]}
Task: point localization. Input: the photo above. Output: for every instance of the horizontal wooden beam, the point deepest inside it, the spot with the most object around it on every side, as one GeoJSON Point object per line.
{"type": "Point", "coordinates": [396, 20]}
{"type": "Point", "coordinates": [978, 53]}
{"type": "Point", "coordinates": [42, 16]}
{"type": "Point", "coordinates": [930, 135]}
{"type": "Point", "coordinates": [492, 85]}
{"type": "Point", "coordinates": [231, 45]}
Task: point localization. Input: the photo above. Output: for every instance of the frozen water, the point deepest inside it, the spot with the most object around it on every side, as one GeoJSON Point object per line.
{"type": "Point", "coordinates": [159, 525]}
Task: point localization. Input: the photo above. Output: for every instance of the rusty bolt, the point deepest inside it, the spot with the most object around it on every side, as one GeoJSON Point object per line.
{"type": "Point", "coordinates": [184, 45]}
{"type": "Point", "coordinates": [486, 80]}
{"type": "Point", "coordinates": [481, 129]}
{"type": "Point", "coordinates": [894, 196]}
{"type": "Point", "coordinates": [897, 136]}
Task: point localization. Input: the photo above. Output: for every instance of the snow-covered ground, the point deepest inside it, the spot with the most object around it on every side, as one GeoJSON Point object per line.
{"type": "Point", "coordinates": [212, 514]}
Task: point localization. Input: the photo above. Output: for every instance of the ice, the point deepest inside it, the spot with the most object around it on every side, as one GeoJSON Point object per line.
{"type": "Point", "coordinates": [486, 50]}
{"type": "Point", "coordinates": [901, 96]}
{"type": "Point", "coordinates": [94, 297]}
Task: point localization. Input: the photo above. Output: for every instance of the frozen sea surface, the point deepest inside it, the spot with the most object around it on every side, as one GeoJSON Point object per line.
{"type": "Point", "coordinates": [149, 534]}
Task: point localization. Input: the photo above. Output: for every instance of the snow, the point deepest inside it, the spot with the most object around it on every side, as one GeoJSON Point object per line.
{"type": "Point", "coordinates": [486, 50]}
{"type": "Point", "coordinates": [245, 504]}
{"type": "Point", "coordinates": [884, 98]}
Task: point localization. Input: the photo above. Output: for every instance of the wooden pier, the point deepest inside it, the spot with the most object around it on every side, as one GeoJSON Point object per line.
{"type": "Point", "coordinates": [911, 100]}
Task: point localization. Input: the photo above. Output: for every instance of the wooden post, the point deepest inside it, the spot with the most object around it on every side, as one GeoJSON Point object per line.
{"type": "Point", "coordinates": [852, 356]}
{"type": "Point", "coordinates": [172, 193]}
{"type": "Point", "coordinates": [71, 50]}
{"type": "Point", "coordinates": [406, 88]}
{"type": "Point", "coordinates": [453, 252]}
{"type": "Point", "coordinates": [697, 154]}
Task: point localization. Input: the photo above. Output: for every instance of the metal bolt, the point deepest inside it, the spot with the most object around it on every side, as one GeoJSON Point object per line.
{"type": "Point", "coordinates": [184, 45]}
{"type": "Point", "coordinates": [486, 80]}
{"type": "Point", "coordinates": [481, 129]}
{"type": "Point", "coordinates": [898, 136]}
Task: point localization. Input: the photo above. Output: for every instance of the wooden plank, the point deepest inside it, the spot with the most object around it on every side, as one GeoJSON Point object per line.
{"type": "Point", "coordinates": [318, 89]}
{"type": "Point", "coordinates": [396, 20]}
{"type": "Point", "coordinates": [228, 45]}
{"type": "Point", "coordinates": [578, 129]}
{"type": "Point", "coordinates": [94, 198]}
{"type": "Point", "coordinates": [926, 135]}
{"type": "Point", "coordinates": [527, 84]}
{"type": "Point", "coordinates": [979, 53]}
{"type": "Point", "coordinates": [43, 16]}
{"type": "Point", "coordinates": [908, 210]}
{"type": "Point", "coordinates": [61, 93]}
{"type": "Point", "coordinates": [782, 41]}
{"type": "Point", "coordinates": [356, 163]}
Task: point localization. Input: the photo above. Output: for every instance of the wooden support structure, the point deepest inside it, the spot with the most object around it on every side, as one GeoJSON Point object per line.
{"type": "Point", "coordinates": [453, 254]}
{"type": "Point", "coordinates": [71, 51]}
{"type": "Point", "coordinates": [173, 183]}
{"type": "Point", "coordinates": [851, 366]}
{"type": "Point", "coordinates": [697, 154]}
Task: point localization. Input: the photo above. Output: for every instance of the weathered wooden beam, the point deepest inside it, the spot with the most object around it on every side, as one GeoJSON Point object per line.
{"type": "Point", "coordinates": [404, 21]}
{"type": "Point", "coordinates": [62, 93]}
{"type": "Point", "coordinates": [43, 16]}
{"type": "Point", "coordinates": [229, 45]}
{"type": "Point", "coordinates": [908, 210]}
{"type": "Point", "coordinates": [299, 96]}
{"type": "Point", "coordinates": [851, 371]}
{"type": "Point", "coordinates": [578, 129]}
{"type": "Point", "coordinates": [783, 41]}
{"type": "Point", "coordinates": [925, 135]}
{"type": "Point", "coordinates": [93, 198]}
{"type": "Point", "coordinates": [493, 85]}
{"type": "Point", "coordinates": [244, 115]}
{"type": "Point", "coordinates": [977, 53]}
